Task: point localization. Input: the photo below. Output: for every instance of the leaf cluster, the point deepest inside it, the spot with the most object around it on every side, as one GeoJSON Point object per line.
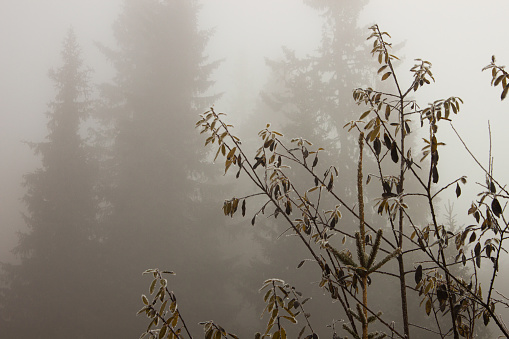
{"type": "Point", "coordinates": [384, 127]}
{"type": "Point", "coordinates": [499, 76]}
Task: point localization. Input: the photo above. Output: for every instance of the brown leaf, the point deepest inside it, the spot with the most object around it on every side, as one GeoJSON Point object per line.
{"type": "Point", "coordinates": [418, 274]}
{"type": "Point", "coordinates": [386, 75]}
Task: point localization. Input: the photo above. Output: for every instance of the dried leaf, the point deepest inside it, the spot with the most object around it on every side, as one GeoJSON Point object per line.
{"type": "Point", "coordinates": [394, 154]}
{"type": "Point", "coordinates": [496, 208]}
{"type": "Point", "coordinates": [418, 274]}
{"type": "Point", "coordinates": [472, 238]}
{"type": "Point", "coordinates": [435, 174]}
{"type": "Point", "coordinates": [486, 318]}
{"type": "Point", "coordinates": [442, 294]}
{"type": "Point", "coordinates": [377, 145]}
{"type": "Point", "coordinates": [365, 114]}
{"type": "Point", "coordinates": [386, 75]}
{"type": "Point", "coordinates": [387, 112]}
{"type": "Point", "coordinates": [387, 141]}
{"type": "Point", "coordinates": [504, 92]}
{"type": "Point", "coordinates": [152, 286]}
{"type": "Point", "coordinates": [497, 81]}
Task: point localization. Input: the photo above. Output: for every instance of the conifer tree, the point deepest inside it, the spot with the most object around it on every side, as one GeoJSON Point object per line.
{"type": "Point", "coordinates": [52, 292]}
{"type": "Point", "coordinates": [314, 92]}
{"type": "Point", "coordinates": [154, 177]}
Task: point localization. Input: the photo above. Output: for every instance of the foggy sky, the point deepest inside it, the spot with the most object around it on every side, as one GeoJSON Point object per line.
{"type": "Point", "coordinates": [458, 37]}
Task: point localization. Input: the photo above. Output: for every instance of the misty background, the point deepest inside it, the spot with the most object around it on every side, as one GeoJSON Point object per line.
{"type": "Point", "coordinates": [458, 37]}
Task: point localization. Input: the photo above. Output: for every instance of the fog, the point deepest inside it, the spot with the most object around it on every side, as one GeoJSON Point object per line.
{"type": "Point", "coordinates": [458, 37]}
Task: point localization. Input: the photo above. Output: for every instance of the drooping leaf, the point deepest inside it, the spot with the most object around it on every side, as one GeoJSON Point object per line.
{"type": "Point", "coordinates": [305, 152]}
{"type": "Point", "coordinates": [333, 223]}
{"type": "Point", "coordinates": [387, 112]}
{"type": "Point", "coordinates": [504, 92]}
{"type": "Point", "coordinates": [493, 189]}
{"type": "Point", "coordinates": [418, 274]}
{"type": "Point", "coordinates": [152, 286]}
{"type": "Point", "coordinates": [496, 208]}
{"type": "Point", "coordinates": [497, 81]}
{"type": "Point", "coordinates": [434, 174]}
{"type": "Point", "coordinates": [330, 185]}
{"type": "Point", "coordinates": [428, 306]}
{"type": "Point", "coordinates": [288, 209]}
{"type": "Point", "coordinates": [283, 333]}
{"type": "Point", "coordinates": [394, 154]}
{"type": "Point", "coordinates": [488, 251]}
{"type": "Point", "coordinates": [162, 332]}
{"type": "Point", "coordinates": [377, 145]}
{"type": "Point", "coordinates": [486, 318]}
{"type": "Point", "coordinates": [472, 238]}
{"type": "Point", "coordinates": [458, 190]}
{"type": "Point", "coordinates": [386, 186]}
{"type": "Point", "coordinates": [442, 294]}
{"type": "Point", "coordinates": [477, 249]}
{"type": "Point", "coordinates": [477, 216]}
{"type": "Point", "coordinates": [387, 141]}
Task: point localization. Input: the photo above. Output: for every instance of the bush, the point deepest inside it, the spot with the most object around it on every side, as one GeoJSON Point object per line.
{"type": "Point", "coordinates": [350, 261]}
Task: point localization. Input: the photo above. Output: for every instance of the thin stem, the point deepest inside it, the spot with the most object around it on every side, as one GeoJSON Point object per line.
{"type": "Point", "coordinates": [477, 161]}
